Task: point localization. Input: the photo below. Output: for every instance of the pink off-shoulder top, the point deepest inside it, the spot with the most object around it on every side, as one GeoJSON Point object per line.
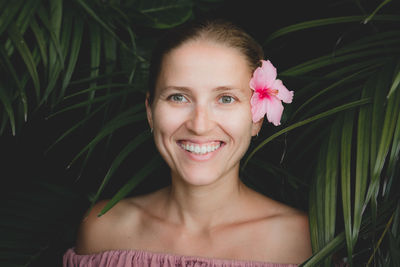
{"type": "Point", "coordinates": [139, 258]}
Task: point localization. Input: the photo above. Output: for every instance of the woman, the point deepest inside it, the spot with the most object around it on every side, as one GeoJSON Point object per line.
{"type": "Point", "coordinates": [203, 113]}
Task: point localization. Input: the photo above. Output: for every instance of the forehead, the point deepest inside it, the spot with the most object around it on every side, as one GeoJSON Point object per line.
{"type": "Point", "coordinates": [204, 63]}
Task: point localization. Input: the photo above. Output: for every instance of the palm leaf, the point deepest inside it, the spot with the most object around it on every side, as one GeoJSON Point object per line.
{"type": "Point", "coordinates": [164, 14]}
{"type": "Point", "coordinates": [134, 181]}
{"type": "Point", "coordinates": [396, 81]}
{"type": "Point", "coordinates": [328, 21]}
{"type": "Point", "coordinates": [128, 149]}
{"type": "Point", "coordinates": [95, 52]}
{"type": "Point", "coordinates": [8, 66]}
{"type": "Point", "coordinates": [26, 56]}
{"type": "Point", "coordinates": [76, 41]}
{"type": "Point", "coordinates": [41, 41]}
{"type": "Point", "coordinates": [122, 120]}
{"type": "Point", "coordinates": [362, 159]}
{"type": "Point", "coordinates": [345, 157]}
{"type": "Point", "coordinates": [10, 11]}
{"type": "Point", "coordinates": [8, 107]}
{"type": "Point", "coordinates": [384, 139]}
{"type": "Point", "coordinates": [304, 122]}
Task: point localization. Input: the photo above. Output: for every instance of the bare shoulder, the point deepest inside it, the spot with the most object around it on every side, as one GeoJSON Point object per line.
{"type": "Point", "coordinates": [96, 232]}
{"type": "Point", "coordinates": [114, 230]}
{"type": "Point", "coordinates": [288, 229]}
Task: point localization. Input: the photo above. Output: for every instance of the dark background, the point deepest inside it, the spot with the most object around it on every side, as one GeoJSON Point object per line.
{"type": "Point", "coordinates": [27, 169]}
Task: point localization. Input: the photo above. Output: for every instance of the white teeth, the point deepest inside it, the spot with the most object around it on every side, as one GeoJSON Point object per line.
{"type": "Point", "coordinates": [201, 149]}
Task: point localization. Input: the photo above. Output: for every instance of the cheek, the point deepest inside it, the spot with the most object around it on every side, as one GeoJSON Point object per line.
{"type": "Point", "coordinates": [238, 123]}
{"type": "Point", "coordinates": [167, 119]}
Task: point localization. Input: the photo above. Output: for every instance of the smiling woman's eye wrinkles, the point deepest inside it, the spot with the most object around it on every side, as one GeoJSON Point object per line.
{"type": "Point", "coordinates": [178, 98]}
{"type": "Point", "coordinates": [226, 99]}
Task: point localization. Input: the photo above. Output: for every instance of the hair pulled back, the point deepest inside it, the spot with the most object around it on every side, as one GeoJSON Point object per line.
{"type": "Point", "coordinates": [217, 30]}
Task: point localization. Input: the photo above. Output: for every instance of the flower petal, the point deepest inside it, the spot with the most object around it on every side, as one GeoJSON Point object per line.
{"type": "Point", "coordinates": [258, 80]}
{"type": "Point", "coordinates": [274, 110]}
{"type": "Point", "coordinates": [258, 107]}
{"type": "Point", "coordinates": [269, 72]}
{"type": "Point", "coordinates": [283, 93]}
{"type": "Point", "coordinates": [264, 76]}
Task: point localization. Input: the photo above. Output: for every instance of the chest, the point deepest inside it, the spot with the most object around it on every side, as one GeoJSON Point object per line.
{"type": "Point", "coordinates": [240, 242]}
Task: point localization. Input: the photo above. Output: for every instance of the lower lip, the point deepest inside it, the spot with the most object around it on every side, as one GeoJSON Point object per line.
{"type": "Point", "coordinates": [201, 157]}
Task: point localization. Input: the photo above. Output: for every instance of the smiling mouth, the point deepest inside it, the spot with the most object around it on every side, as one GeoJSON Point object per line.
{"type": "Point", "coordinates": [200, 149]}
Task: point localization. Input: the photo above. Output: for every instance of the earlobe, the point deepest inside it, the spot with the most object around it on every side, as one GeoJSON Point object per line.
{"type": "Point", "coordinates": [148, 111]}
{"type": "Point", "coordinates": [256, 127]}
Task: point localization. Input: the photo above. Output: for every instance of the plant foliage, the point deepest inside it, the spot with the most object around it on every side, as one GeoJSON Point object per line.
{"type": "Point", "coordinates": [354, 195]}
{"type": "Point", "coordinates": [90, 59]}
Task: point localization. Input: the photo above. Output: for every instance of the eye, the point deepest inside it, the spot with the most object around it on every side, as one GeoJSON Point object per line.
{"type": "Point", "coordinates": [226, 99]}
{"type": "Point", "coordinates": [178, 98]}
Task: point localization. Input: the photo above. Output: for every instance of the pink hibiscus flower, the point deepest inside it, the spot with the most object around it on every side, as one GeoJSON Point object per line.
{"type": "Point", "coordinates": [268, 95]}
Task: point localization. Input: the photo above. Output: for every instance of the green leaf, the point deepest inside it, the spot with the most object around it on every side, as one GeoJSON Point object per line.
{"type": "Point", "coordinates": [345, 167]}
{"type": "Point", "coordinates": [362, 157]}
{"type": "Point", "coordinates": [95, 53]}
{"type": "Point", "coordinates": [393, 159]}
{"type": "Point", "coordinates": [322, 199]}
{"type": "Point", "coordinates": [164, 14]}
{"type": "Point", "coordinates": [324, 22]}
{"type": "Point", "coordinates": [53, 26]}
{"type": "Point", "coordinates": [110, 52]}
{"type": "Point", "coordinates": [58, 46]}
{"type": "Point", "coordinates": [113, 125]}
{"type": "Point", "coordinates": [25, 15]}
{"type": "Point", "coordinates": [304, 122]}
{"type": "Point", "coordinates": [334, 245]}
{"type": "Point", "coordinates": [8, 14]}
{"type": "Point", "coordinates": [355, 76]}
{"type": "Point", "coordinates": [115, 86]}
{"type": "Point", "coordinates": [41, 41]}
{"type": "Point", "coordinates": [102, 23]}
{"type": "Point", "coordinates": [14, 75]}
{"type": "Point", "coordinates": [3, 122]}
{"type": "Point", "coordinates": [8, 107]}
{"type": "Point", "coordinates": [76, 126]}
{"type": "Point", "coordinates": [26, 55]}
{"type": "Point", "coordinates": [329, 60]}
{"type": "Point", "coordinates": [81, 104]}
{"type": "Point", "coordinates": [396, 81]}
{"type": "Point", "coordinates": [132, 183]}
{"type": "Point", "coordinates": [370, 17]}
{"type": "Point", "coordinates": [388, 224]}
{"type": "Point", "coordinates": [331, 175]}
{"type": "Point", "coordinates": [127, 150]}
{"type": "Point", "coordinates": [76, 41]}
{"type": "Point", "coordinates": [386, 136]}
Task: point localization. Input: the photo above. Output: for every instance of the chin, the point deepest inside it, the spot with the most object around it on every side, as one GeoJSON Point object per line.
{"type": "Point", "coordinates": [198, 177]}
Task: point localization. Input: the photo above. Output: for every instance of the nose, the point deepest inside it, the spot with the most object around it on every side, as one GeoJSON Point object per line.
{"type": "Point", "coordinates": [200, 121]}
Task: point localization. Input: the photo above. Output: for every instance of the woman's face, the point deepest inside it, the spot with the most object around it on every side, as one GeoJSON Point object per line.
{"type": "Point", "coordinates": [201, 112]}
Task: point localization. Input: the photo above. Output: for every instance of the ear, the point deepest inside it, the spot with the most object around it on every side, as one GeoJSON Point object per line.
{"type": "Point", "coordinates": [256, 127]}
{"type": "Point", "coordinates": [148, 111]}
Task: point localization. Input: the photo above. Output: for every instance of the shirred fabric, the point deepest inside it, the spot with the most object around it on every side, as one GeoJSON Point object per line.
{"type": "Point", "coordinates": [138, 258]}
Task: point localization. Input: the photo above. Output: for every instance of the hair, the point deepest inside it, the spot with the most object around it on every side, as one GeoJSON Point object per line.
{"type": "Point", "coordinates": [217, 30]}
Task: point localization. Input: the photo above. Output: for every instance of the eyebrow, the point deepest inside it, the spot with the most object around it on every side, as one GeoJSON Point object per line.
{"type": "Point", "coordinates": [225, 88]}
{"type": "Point", "coordinates": [188, 89]}
{"type": "Point", "coordinates": [178, 88]}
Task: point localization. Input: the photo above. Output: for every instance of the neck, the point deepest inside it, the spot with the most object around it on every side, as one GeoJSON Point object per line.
{"type": "Point", "coordinates": [203, 207]}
